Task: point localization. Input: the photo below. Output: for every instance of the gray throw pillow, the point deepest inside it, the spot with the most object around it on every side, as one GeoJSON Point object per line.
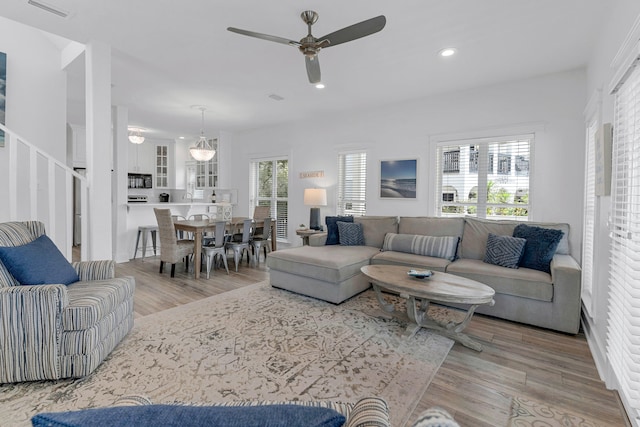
{"type": "Point", "coordinates": [350, 233]}
{"type": "Point", "coordinates": [505, 251]}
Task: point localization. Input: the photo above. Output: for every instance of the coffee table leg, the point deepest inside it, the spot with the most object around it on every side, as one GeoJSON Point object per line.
{"type": "Point", "coordinates": [386, 306]}
{"type": "Point", "coordinates": [450, 329]}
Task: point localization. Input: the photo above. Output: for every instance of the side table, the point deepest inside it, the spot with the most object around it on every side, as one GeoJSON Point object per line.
{"type": "Point", "coordinates": [305, 233]}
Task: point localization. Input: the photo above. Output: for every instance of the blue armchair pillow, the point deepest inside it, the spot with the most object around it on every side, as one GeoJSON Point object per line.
{"type": "Point", "coordinates": [505, 251]}
{"type": "Point", "coordinates": [38, 263]}
{"type": "Point", "coordinates": [540, 248]}
{"type": "Point", "coordinates": [195, 416]}
{"type": "Point", "coordinates": [333, 236]}
{"type": "Point", "coordinates": [350, 233]}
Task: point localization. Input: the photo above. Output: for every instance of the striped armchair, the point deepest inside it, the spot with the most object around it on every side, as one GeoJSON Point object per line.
{"type": "Point", "coordinates": [55, 331]}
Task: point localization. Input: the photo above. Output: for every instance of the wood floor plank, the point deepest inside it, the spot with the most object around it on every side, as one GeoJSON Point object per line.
{"type": "Point", "coordinates": [476, 387]}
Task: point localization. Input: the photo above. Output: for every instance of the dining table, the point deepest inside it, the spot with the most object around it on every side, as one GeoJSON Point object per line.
{"type": "Point", "coordinates": [199, 227]}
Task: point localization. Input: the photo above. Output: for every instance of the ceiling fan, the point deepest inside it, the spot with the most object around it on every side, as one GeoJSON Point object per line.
{"type": "Point", "coordinates": [310, 46]}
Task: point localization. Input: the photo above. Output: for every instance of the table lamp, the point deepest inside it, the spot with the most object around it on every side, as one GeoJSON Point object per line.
{"type": "Point", "coordinates": [315, 197]}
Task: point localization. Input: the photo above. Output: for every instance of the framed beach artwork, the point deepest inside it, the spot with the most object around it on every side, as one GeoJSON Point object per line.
{"type": "Point", "coordinates": [398, 179]}
{"type": "Point", "coordinates": [3, 91]}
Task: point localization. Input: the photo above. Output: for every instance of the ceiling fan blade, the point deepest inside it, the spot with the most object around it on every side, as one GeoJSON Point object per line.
{"type": "Point", "coordinates": [355, 31]}
{"type": "Point", "coordinates": [264, 36]}
{"type": "Point", "coordinates": [313, 69]}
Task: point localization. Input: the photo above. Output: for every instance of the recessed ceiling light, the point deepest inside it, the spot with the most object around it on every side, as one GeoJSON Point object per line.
{"type": "Point", "coordinates": [181, 137]}
{"type": "Point", "coordinates": [319, 86]}
{"type": "Point", "coordinates": [448, 51]}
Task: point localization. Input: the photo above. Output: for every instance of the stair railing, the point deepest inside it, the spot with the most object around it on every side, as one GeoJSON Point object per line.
{"type": "Point", "coordinates": [54, 206]}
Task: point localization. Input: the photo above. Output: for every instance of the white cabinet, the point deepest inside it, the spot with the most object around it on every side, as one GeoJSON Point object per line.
{"type": "Point", "coordinates": [78, 136]}
{"type": "Point", "coordinates": [142, 157]}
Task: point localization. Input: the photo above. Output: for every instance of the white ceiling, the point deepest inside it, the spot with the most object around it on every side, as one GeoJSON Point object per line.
{"type": "Point", "coordinates": [169, 55]}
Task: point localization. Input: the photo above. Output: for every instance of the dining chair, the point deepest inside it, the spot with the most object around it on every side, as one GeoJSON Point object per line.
{"type": "Point", "coordinates": [207, 237]}
{"type": "Point", "coordinates": [172, 250]}
{"type": "Point", "coordinates": [260, 213]}
{"type": "Point", "coordinates": [262, 242]}
{"type": "Point", "coordinates": [218, 248]}
{"type": "Point", "coordinates": [240, 246]}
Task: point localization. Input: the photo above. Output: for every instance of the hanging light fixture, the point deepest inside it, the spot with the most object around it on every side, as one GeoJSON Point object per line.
{"type": "Point", "coordinates": [202, 151]}
{"type": "Point", "coordinates": [135, 136]}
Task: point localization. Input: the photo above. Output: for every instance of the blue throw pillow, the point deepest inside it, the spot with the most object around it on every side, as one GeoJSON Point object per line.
{"type": "Point", "coordinates": [195, 416]}
{"type": "Point", "coordinates": [333, 237]}
{"type": "Point", "coordinates": [38, 263]}
{"type": "Point", "coordinates": [350, 233]}
{"type": "Point", "coordinates": [540, 248]}
{"type": "Point", "coordinates": [505, 251]}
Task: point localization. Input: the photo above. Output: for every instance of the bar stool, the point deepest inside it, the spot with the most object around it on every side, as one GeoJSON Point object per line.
{"type": "Point", "coordinates": [144, 229]}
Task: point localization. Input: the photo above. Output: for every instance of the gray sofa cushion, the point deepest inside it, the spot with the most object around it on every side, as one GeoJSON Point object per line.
{"type": "Point", "coordinates": [331, 263]}
{"type": "Point", "coordinates": [376, 227]}
{"type": "Point", "coordinates": [521, 282]}
{"type": "Point", "coordinates": [410, 260]}
{"type": "Point", "coordinates": [476, 232]}
{"type": "Point", "coordinates": [431, 226]}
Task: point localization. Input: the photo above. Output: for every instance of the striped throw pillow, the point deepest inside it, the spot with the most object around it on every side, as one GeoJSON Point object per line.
{"type": "Point", "coordinates": [439, 247]}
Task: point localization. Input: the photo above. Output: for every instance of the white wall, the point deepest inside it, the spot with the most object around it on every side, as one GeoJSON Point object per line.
{"type": "Point", "coordinates": [615, 29]}
{"type": "Point", "coordinates": [36, 93]}
{"type": "Point", "coordinates": [553, 103]}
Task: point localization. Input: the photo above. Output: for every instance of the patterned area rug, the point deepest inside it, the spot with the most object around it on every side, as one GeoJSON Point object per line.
{"type": "Point", "coordinates": [253, 343]}
{"type": "Point", "coordinates": [529, 413]}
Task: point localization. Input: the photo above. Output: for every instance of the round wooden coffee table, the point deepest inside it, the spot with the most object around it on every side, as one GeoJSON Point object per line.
{"type": "Point", "coordinates": [419, 293]}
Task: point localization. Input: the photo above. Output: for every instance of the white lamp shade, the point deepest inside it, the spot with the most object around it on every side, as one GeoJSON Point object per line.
{"type": "Point", "coordinates": [315, 197]}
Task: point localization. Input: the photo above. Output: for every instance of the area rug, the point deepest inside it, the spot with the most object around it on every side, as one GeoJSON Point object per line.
{"type": "Point", "coordinates": [257, 342]}
{"type": "Point", "coordinates": [529, 413]}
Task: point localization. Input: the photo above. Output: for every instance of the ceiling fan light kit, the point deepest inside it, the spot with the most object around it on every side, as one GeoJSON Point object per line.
{"type": "Point", "coordinates": [202, 151]}
{"type": "Point", "coordinates": [311, 46]}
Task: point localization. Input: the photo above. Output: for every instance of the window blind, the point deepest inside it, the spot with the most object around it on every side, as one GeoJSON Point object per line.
{"type": "Point", "coordinates": [623, 328]}
{"type": "Point", "coordinates": [589, 219]}
{"type": "Point", "coordinates": [352, 183]}
{"type": "Point", "coordinates": [487, 178]}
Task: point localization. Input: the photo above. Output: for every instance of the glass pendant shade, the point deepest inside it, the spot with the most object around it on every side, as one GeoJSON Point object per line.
{"type": "Point", "coordinates": [202, 151]}
{"type": "Point", "coordinates": [135, 137]}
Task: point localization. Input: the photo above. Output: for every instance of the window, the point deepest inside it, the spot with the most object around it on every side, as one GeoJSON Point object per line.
{"type": "Point", "coordinates": [352, 183]}
{"type": "Point", "coordinates": [483, 191]}
{"type": "Point", "coordinates": [270, 187]}
{"type": "Point", "coordinates": [623, 325]}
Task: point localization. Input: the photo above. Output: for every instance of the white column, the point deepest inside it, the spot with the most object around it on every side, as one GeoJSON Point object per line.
{"type": "Point", "coordinates": [121, 251]}
{"type": "Point", "coordinates": [99, 149]}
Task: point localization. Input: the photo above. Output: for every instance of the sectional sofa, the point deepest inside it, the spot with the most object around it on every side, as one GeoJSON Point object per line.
{"type": "Point", "coordinates": [540, 298]}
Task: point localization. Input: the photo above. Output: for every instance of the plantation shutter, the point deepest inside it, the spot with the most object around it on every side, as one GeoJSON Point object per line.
{"type": "Point", "coordinates": [589, 219]}
{"type": "Point", "coordinates": [352, 183]}
{"type": "Point", "coordinates": [623, 331]}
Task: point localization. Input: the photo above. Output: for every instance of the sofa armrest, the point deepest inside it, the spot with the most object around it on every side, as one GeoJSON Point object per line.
{"type": "Point", "coordinates": [566, 276]}
{"type": "Point", "coordinates": [31, 325]}
{"type": "Point", "coordinates": [318, 239]}
{"type": "Point", "coordinates": [95, 270]}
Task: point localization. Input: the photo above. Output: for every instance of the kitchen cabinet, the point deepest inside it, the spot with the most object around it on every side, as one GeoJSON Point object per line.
{"type": "Point", "coordinates": [142, 157]}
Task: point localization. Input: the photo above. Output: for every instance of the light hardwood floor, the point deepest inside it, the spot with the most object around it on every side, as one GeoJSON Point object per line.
{"type": "Point", "coordinates": [475, 387]}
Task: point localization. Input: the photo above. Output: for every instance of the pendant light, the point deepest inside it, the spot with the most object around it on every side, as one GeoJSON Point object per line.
{"type": "Point", "coordinates": [135, 136]}
{"type": "Point", "coordinates": [202, 151]}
